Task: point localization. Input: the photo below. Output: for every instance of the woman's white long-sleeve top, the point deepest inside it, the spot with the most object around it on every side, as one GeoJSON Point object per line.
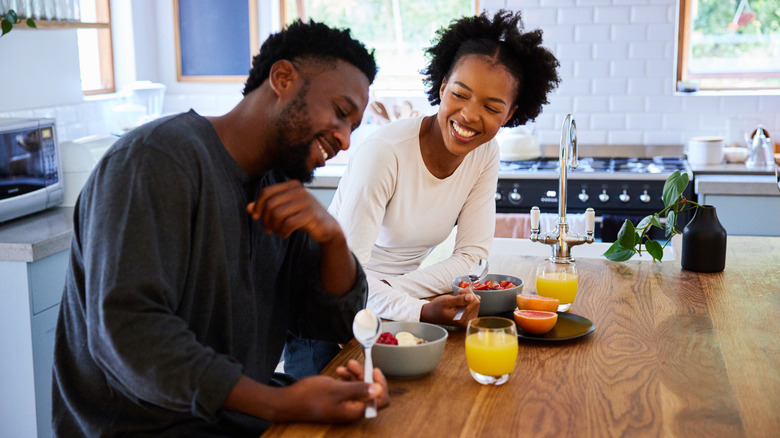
{"type": "Point", "coordinates": [394, 212]}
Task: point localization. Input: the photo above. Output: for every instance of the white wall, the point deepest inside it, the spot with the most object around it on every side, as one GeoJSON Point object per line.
{"type": "Point", "coordinates": [617, 64]}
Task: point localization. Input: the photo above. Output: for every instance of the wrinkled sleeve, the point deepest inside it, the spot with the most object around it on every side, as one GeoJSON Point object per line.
{"type": "Point", "coordinates": [476, 226]}
{"type": "Point", "coordinates": [146, 351]}
{"type": "Point", "coordinates": [363, 193]}
{"type": "Point", "coordinates": [318, 313]}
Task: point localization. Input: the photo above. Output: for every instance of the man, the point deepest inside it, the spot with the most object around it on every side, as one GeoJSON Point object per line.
{"type": "Point", "coordinates": [196, 248]}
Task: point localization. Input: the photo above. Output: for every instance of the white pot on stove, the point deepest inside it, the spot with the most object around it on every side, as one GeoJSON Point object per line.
{"type": "Point", "coordinates": [518, 144]}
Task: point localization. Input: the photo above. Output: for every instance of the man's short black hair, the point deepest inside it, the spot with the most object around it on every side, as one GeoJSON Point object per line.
{"type": "Point", "coordinates": [309, 41]}
{"type": "Point", "coordinates": [502, 38]}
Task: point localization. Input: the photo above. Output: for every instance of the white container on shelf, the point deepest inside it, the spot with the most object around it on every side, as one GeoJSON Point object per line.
{"type": "Point", "coordinates": [705, 150]}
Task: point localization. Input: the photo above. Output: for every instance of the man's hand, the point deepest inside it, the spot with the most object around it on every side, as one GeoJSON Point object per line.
{"type": "Point", "coordinates": [288, 206]}
{"type": "Point", "coordinates": [442, 309]}
{"type": "Point", "coordinates": [327, 400]}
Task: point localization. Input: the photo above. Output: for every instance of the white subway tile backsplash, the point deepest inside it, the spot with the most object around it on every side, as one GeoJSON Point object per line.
{"type": "Point", "coordinates": [661, 32]}
{"type": "Point", "coordinates": [610, 86]}
{"type": "Point", "coordinates": [626, 104]}
{"type": "Point", "coordinates": [618, 50]}
{"type": "Point", "coordinates": [591, 104]}
{"type": "Point", "coordinates": [556, 3]}
{"type": "Point", "coordinates": [663, 104]}
{"type": "Point", "coordinates": [651, 14]}
{"type": "Point", "coordinates": [557, 34]}
{"type": "Point", "coordinates": [740, 104]}
{"type": "Point", "coordinates": [537, 17]}
{"type": "Point", "coordinates": [659, 68]}
{"type": "Point", "coordinates": [644, 121]}
{"type": "Point", "coordinates": [627, 69]}
{"type": "Point", "coordinates": [575, 87]}
{"type": "Point", "coordinates": [608, 121]}
{"type": "Point", "coordinates": [612, 15]}
{"type": "Point", "coordinates": [593, 2]}
{"type": "Point", "coordinates": [591, 136]}
{"type": "Point", "coordinates": [702, 104]}
{"type": "Point", "coordinates": [662, 137]}
{"type": "Point", "coordinates": [624, 137]}
{"type": "Point", "coordinates": [520, 4]}
{"type": "Point", "coordinates": [579, 15]}
{"type": "Point", "coordinates": [558, 104]}
{"type": "Point", "coordinates": [591, 69]}
{"type": "Point", "coordinates": [645, 86]}
{"type": "Point", "coordinates": [590, 33]}
{"type": "Point", "coordinates": [498, 4]}
{"type": "Point", "coordinates": [569, 52]}
{"type": "Point", "coordinates": [629, 32]}
{"type": "Point", "coordinates": [713, 124]}
{"type": "Point", "coordinates": [647, 50]}
{"type": "Point", "coordinates": [679, 121]}
{"type": "Point", "coordinates": [769, 113]}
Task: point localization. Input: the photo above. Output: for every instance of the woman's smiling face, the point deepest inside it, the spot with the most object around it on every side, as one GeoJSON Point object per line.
{"type": "Point", "coordinates": [476, 100]}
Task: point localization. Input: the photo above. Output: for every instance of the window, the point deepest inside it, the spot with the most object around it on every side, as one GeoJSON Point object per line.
{"type": "Point", "coordinates": [398, 30]}
{"type": "Point", "coordinates": [96, 58]}
{"type": "Point", "coordinates": [728, 45]}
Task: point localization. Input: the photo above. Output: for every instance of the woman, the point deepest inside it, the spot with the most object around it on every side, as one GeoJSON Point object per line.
{"type": "Point", "coordinates": [412, 181]}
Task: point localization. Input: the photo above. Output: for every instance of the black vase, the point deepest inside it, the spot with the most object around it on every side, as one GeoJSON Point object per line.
{"type": "Point", "coordinates": [704, 242]}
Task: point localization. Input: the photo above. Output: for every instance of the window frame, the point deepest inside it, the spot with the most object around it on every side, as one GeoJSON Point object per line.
{"type": "Point", "coordinates": [682, 75]}
{"type": "Point", "coordinates": [105, 49]}
{"type": "Point", "coordinates": [400, 85]}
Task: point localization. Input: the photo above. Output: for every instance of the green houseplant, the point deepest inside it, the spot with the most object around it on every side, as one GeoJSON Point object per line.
{"type": "Point", "coordinates": [10, 19]}
{"type": "Point", "coordinates": [630, 238]}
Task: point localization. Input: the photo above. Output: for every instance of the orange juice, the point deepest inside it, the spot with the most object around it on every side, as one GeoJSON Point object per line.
{"type": "Point", "coordinates": [491, 353]}
{"type": "Point", "coordinates": [560, 285]}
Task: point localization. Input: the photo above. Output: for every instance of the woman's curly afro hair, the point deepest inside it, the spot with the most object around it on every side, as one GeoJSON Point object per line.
{"type": "Point", "coordinates": [502, 38]}
{"type": "Point", "coordinates": [310, 41]}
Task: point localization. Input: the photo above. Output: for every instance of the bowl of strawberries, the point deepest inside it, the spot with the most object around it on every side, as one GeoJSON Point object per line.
{"type": "Point", "coordinates": [497, 292]}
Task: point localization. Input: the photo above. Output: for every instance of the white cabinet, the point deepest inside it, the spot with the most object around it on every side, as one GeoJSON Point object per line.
{"type": "Point", "coordinates": [747, 205]}
{"type": "Point", "coordinates": [30, 294]}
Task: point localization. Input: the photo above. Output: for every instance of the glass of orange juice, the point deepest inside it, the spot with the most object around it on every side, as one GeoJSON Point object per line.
{"type": "Point", "coordinates": [557, 279]}
{"type": "Point", "coordinates": [491, 349]}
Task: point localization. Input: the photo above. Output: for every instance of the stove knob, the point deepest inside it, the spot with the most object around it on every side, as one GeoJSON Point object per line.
{"type": "Point", "coordinates": [583, 196]}
{"type": "Point", "coordinates": [515, 197]}
{"type": "Point", "coordinates": [644, 197]}
{"type": "Point", "coordinates": [603, 197]}
{"type": "Point", "coordinates": [498, 196]}
{"type": "Point", "coordinates": [624, 197]}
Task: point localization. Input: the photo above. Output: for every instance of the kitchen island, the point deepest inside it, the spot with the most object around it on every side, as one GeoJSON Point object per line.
{"type": "Point", "coordinates": [673, 353]}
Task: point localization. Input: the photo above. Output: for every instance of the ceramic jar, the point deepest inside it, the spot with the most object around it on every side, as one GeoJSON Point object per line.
{"type": "Point", "coordinates": [704, 242]}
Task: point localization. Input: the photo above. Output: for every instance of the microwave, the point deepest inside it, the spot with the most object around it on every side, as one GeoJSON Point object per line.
{"type": "Point", "coordinates": [30, 167]}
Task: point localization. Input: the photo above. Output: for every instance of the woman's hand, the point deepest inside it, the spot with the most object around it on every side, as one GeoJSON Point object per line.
{"type": "Point", "coordinates": [442, 309]}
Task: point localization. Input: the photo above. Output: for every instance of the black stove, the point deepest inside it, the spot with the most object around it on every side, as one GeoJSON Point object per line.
{"type": "Point", "coordinates": [614, 187]}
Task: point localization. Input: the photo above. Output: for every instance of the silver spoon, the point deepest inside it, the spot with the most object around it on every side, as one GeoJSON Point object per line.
{"type": "Point", "coordinates": [477, 272]}
{"type": "Point", "coordinates": [366, 327]}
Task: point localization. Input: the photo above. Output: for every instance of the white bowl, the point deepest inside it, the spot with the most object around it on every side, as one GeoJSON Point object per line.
{"type": "Point", "coordinates": [494, 302]}
{"type": "Point", "coordinates": [408, 362]}
{"type": "Point", "coordinates": [735, 154]}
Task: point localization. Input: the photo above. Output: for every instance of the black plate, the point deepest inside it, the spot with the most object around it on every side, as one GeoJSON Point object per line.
{"type": "Point", "coordinates": [569, 326]}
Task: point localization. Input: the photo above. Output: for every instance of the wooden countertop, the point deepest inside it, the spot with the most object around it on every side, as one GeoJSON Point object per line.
{"type": "Point", "coordinates": [674, 353]}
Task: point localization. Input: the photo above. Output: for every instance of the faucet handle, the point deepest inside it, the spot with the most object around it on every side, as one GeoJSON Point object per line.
{"type": "Point", "coordinates": [535, 219]}
{"type": "Point", "coordinates": [590, 221]}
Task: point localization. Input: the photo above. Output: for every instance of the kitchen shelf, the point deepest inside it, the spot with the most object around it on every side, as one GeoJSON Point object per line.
{"type": "Point", "coordinates": [56, 24]}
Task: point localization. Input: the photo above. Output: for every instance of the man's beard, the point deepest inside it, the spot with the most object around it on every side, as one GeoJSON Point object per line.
{"type": "Point", "coordinates": [293, 139]}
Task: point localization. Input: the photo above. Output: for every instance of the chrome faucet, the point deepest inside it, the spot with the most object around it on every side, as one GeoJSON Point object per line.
{"type": "Point", "coordinates": [560, 239]}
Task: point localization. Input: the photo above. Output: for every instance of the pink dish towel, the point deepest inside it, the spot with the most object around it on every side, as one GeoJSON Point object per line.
{"type": "Point", "coordinates": [516, 225]}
